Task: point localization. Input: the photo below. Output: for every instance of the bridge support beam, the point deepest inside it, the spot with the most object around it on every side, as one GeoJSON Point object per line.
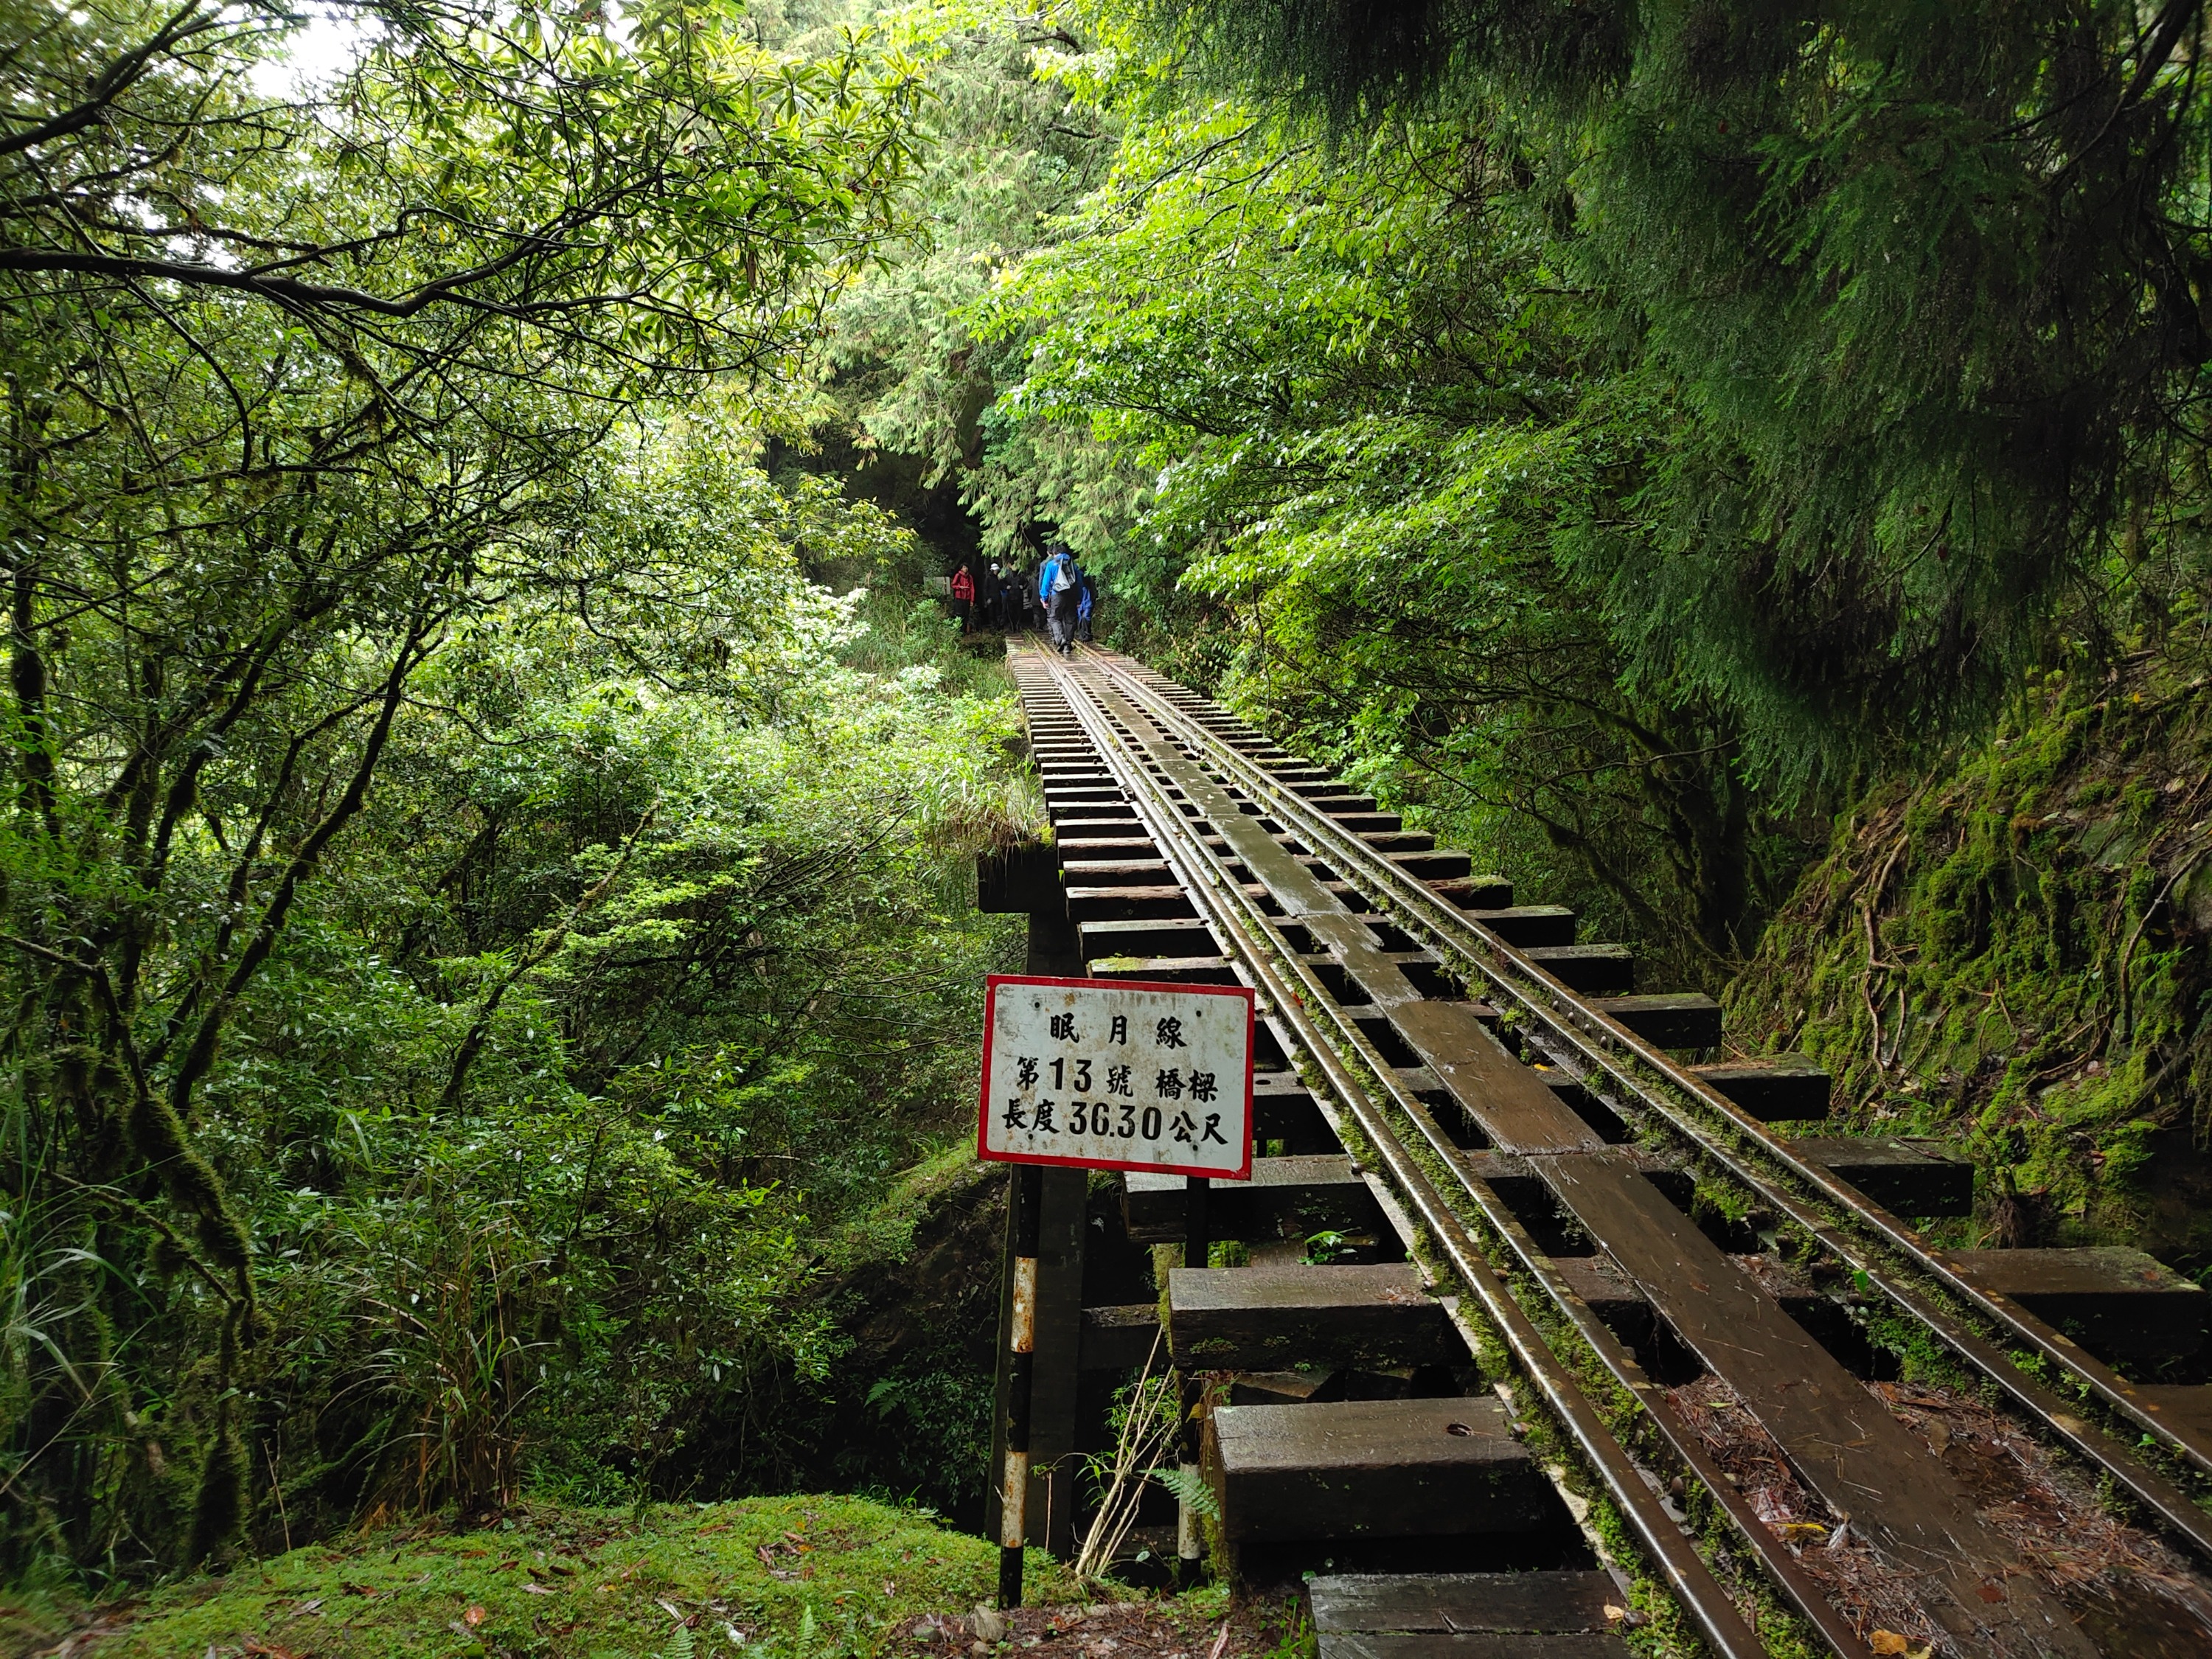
{"type": "Point", "coordinates": [1055, 1469]}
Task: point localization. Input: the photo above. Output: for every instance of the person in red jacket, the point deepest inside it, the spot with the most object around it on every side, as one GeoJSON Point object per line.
{"type": "Point", "coordinates": [964, 597]}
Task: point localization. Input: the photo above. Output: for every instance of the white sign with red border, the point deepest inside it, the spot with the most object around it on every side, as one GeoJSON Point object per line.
{"type": "Point", "coordinates": [1118, 1074]}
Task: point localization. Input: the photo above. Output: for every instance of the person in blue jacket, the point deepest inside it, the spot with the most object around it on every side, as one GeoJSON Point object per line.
{"type": "Point", "coordinates": [1084, 607]}
{"type": "Point", "coordinates": [1059, 587]}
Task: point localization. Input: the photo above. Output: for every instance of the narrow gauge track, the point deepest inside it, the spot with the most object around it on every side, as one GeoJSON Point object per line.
{"type": "Point", "coordinates": [1342, 923]}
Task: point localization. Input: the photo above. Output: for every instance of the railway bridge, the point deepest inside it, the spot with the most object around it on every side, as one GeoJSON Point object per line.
{"type": "Point", "coordinates": [1515, 1243]}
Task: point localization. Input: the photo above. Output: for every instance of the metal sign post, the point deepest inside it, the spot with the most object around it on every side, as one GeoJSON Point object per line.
{"type": "Point", "coordinates": [1104, 1074]}
{"type": "Point", "coordinates": [1024, 1197]}
{"type": "Point", "coordinates": [1197, 1252]}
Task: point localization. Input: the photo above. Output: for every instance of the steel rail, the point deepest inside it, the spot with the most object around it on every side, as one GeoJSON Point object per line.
{"type": "Point", "coordinates": [1572, 1021]}
{"type": "Point", "coordinates": [1239, 924]}
{"type": "Point", "coordinates": [1683, 1442]}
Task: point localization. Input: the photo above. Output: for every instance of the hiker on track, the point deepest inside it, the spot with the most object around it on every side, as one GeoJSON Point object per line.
{"type": "Point", "coordinates": [1060, 587]}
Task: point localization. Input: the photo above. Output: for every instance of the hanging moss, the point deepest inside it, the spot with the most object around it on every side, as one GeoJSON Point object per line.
{"type": "Point", "coordinates": [220, 1504]}
{"type": "Point", "coordinates": [189, 1179]}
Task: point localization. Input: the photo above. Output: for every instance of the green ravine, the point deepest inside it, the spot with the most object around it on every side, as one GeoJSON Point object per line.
{"type": "Point", "coordinates": [491, 776]}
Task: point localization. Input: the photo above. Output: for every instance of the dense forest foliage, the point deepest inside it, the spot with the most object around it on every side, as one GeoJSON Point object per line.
{"type": "Point", "coordinates": [487, 865]}
{"type": "Point", "coordinates": [481, 907]}
{"type": "Point", "coordinates": [1626, 437]}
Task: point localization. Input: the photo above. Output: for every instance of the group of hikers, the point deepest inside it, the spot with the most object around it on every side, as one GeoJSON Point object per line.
{"type": "Point", "coordinates": [1057, 596]}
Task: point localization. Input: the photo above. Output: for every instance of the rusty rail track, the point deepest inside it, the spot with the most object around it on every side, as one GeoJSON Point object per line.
{"type": "Point", "coordinates": [1295, 900]}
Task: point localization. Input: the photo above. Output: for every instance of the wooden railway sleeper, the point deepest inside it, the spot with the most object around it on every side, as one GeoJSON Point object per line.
{"type": "Point", "coordinates": [1124, 726]}
{"type": "Point", "coordinates": [1686, 1573]}
{"type": "Point", "coordinates": [1601, 1042]}
{"type": "Point", "coordinates": [1936, 1532]}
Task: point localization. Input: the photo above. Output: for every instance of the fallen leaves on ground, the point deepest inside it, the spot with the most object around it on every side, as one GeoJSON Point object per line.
{"type": "Point", "coordinates": [1162, 1629]}
{"type": "Point", "coordinates": [2047, 1512]}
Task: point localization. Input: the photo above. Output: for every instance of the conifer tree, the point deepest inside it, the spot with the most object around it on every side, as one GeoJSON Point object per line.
{"type": "Point", "coordinates": [1928, 289]}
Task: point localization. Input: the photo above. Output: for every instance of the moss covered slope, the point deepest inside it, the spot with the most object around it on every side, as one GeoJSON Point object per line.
{"type": "Point", "coordinates": [2011, 952]}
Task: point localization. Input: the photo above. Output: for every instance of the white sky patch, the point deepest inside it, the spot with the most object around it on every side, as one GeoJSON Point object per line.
{"type": "Point", "coordinates": [334, 40]}
{"type": "Point", "coordinates": [315, 55]}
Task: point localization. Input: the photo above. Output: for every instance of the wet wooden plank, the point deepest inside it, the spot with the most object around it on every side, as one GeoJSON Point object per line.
{"type": "Point", "coordinates": [1468, 1602]}
{"type": "Point", "coordinates": [1171, 970]}
{"type": "Point", "coordinates": [1592, 969]}
{"type": "Point", "coordinates": [2186, 1406]}
{"type": "Point", "coordinates": [1291, 1387]}
{"type": "Point", "coordinates": [2115, 1302]}
{"type": "Point", "coordinates": [1105, 848]}
{"type": "Point", "coordinates": [1286, 1198]}
{"type": "Point", "coordinates": [1123, 903]}
{"type": "Point", "coordinates": [1841, 1440]}
{"type": "Point", "coordinates": [1091, 812]}
{"type": "Point", "coordinates": [1775, 1090]}
{"type": "Point", "coordinates": [1479, 1644]}
{"type": "Point", "coordinates": [1610, 1294]}
{"type": "Point", "coordinates": [1147, 939]}
{"type": "Point", "coordinates": [1068, 831]}
{"type": "Point", "coordinates": [1120, 1338]}
{"type": "Point", "coordinates": [1436, 866]}
{"type": "Point", "coordinates": [1398, 1469]}
{"type": "Point", "coordinates": [1475, 892]}
{"type": "Point", "coordinates": [1466, 892]}
{"type": "Point", "coordinates": [1116, 873]}
{"type": "Point", "coordinates": [1682, 1019]}
{"type": "Point", "coordinates": [1403, 841]}
{"type": "Point", "coordinates": [1900, 1175]}
{"type": "Point", "coordinates": [1527, 924]}
{"type": "Point", "coordinates": [1262, 1318]}
{"type": "Point", "coordinates": [1514, 1109]}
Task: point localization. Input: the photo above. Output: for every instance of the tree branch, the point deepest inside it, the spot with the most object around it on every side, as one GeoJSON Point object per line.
{"type": "Point", "coordinates": [201, 1054]}
{"type": "Point", "coordinates": [465, 1057]}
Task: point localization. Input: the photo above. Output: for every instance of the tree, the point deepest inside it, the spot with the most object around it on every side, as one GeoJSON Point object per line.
{"type": "Point", "coordinates": [300, 392]}
{"type": "Point", "coordinates": [1380, 426]}
{"type": "Point", "coordinates": [1014, 140]}
{"type": "Point", "coordinates": [1926, 296]}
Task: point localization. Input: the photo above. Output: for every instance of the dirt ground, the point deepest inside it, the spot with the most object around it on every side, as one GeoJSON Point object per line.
{"type": "Point", "coordinates": [2129, 1591]}
{"type": "Point", "coordinates": [1124, 1630]}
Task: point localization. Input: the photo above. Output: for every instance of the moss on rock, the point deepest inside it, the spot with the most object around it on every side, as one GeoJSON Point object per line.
{"type": "Point", "coordinates": [2011, 952]}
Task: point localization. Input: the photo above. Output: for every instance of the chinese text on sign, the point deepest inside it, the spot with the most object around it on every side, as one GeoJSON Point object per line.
{"type": "Point", "coordinates": [1118, 1075]}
